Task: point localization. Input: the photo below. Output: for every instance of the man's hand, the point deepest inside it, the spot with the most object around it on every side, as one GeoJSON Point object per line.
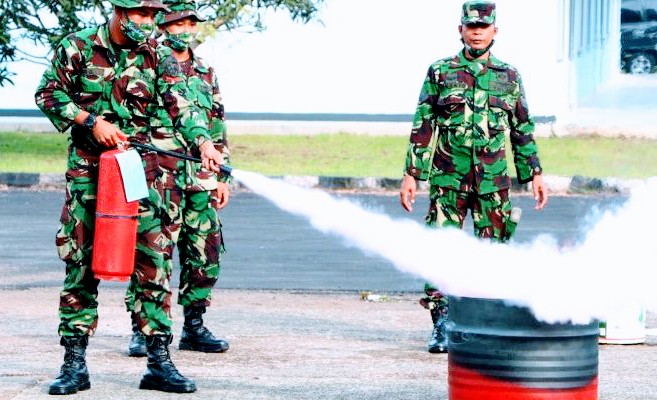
{"type": "Point", "coordinates": [223, 195]}
{"type": "Point", "coordinates": [211, 158]}
{"type": "Point", "coordinates": [540, 192]}
{"type": "Point", "coordinates": [408, 192]}
{"type": "Point", "coordinates": [107, 134]}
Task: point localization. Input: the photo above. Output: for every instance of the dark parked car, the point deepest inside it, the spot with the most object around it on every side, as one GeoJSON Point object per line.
{"type": "Point", "coordinates": [639, 49]}
{"type": "Point", "coordinates": [639, 36]}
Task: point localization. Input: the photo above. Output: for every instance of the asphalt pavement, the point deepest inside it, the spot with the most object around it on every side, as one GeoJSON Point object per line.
{"type": "Point", "coordinates": [268, 248]}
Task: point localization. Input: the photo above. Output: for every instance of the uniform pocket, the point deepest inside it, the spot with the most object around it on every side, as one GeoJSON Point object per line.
{"type": "Point", "coordinates": [140, 93]}
{"type": "Point", "coordinates": [74, 238]}
{"type": "Point", "coordinates": [450, 110]}
{"type": "Point", "coordinates": [499, 114]}
{"type": "Point", "coordinates": [202, 91]}
{"type": "Point", "coordinates": [92, 83]}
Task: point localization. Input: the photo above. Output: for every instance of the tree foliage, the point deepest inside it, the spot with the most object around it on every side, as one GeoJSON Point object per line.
{"type": "Point", "coordinates": [26, 25]}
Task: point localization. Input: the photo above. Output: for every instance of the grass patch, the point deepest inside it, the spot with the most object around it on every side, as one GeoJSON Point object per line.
{"type": "Point", "coordinates": [33, 152]}
{"type": "Point", "coordinates": [591, 156]}
{"type": "Point", "coordinates": [324, 155]}
{"type": "Point", "coordinates": [355, 155]}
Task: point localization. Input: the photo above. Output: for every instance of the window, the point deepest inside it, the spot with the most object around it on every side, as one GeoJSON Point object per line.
{"type": "Point", "coordinates": [633, 11]}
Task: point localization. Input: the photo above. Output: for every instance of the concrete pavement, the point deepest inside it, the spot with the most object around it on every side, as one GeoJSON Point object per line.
{"type": "Point", "coordinates": [284, 345]}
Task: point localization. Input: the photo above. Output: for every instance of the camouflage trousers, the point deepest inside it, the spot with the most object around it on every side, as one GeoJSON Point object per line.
{"type": "Point", "coordinates": [78, 306]}
{"type": "Point", "coordinates": [194, 226]}
{"type": "Point", "coordinates": [448, 208]}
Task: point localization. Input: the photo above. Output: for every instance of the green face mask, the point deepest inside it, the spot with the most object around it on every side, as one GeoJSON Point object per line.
{"type": "Point", "coordinates": [476, 53]}
{"type": "Point", "coordinates": [180, 41]}
{"type": "Point", "coordinates": [138, 33]}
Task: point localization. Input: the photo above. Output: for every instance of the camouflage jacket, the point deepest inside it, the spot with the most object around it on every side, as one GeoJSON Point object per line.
{"type": "Point", "coordinates": [118, 84]}
{"type": "Point", "coordinates": [470, 105]}
{"type": "Point", "coordinates": [198, 86]}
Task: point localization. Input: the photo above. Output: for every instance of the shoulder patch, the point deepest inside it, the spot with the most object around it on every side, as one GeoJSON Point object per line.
{"type": "Point", "coordinates": [171, 71]}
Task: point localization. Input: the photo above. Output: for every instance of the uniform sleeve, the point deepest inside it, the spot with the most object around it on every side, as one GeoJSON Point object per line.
{"type": "Point", "coordinates": [525, 151]}
{"type": "Point", "coordinates": [54, 94]}
{"type": "Point", "coordinates": [218, 127]}
{"type": "Point", "coordinates": [418, 155]}
{"type": "Point", "coordinates": [218, 122]}
{"type": "Point", "coordinates": [187, 116]}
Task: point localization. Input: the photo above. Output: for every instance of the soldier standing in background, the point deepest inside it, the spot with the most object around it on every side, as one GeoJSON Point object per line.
{"type": "Point", "coordinates": [192, 195]}
{"type": "Point", "coordinates": [469, 102]}
{"type": "Point", "coordinates": [102, 84]}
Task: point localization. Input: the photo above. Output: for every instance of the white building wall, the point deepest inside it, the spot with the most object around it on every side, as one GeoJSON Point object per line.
{"type": "Point", "coordinates": [594, 46]}
{"type": "Point", "coordinates": [532, 38]}
{"type": "Point", "coordinates": [564, 50]}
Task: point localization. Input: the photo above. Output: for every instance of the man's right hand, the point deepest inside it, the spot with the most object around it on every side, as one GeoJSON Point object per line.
{"type": "Point", "coordinates": [408, 192]}
{"type": "Point", "coordinates": [107, 134]}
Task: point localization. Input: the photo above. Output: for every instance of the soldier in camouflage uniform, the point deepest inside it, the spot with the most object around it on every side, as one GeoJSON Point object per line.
{"type": "Point", "coordinates": [457, 143]}
{"type": "Point", "coordinates": [192, 194]}
{"type": "Point", "coordinates": [102, 84]}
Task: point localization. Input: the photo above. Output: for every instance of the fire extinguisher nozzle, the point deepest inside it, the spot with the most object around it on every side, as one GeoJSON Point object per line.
{"type": "Point", "coordinates": [226, 169]}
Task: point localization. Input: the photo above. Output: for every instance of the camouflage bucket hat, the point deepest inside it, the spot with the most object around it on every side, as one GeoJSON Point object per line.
{"type": "Point", "coordinates": [179, 9]}
{"type": "Point", "coordinates": [478, 12]}
{"type": "Point", "coordinates": [139, 4]}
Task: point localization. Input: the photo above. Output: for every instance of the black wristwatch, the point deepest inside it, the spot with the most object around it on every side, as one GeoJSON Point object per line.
{"type": "Point", "coordinates": [90, 121]}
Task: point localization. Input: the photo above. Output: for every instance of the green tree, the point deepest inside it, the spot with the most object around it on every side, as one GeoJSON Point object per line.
{"type": "Point", "coordinates": [28, 24]}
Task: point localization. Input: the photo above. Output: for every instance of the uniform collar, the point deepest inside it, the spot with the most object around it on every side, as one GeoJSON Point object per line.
{"type": "Point", "coordinates": [199, 65]}
{"type": "Point", "coordinates": [461, 61]}
{"type": "Point", "coordinates": [102, 38]}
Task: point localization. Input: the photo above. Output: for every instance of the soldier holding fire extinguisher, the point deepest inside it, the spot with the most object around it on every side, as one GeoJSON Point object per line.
{"type": "Point", "coordinates": [102, 83]}
{"type": "Point", "coordinates": [192, 194]}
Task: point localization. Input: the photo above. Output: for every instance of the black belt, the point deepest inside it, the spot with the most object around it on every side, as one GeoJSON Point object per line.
{"type": "Point", "coordinates": [83, 139]}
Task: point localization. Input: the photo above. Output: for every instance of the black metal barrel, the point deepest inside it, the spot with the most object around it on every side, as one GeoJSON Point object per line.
{"type": "Point", "coordinates": [502, 352]}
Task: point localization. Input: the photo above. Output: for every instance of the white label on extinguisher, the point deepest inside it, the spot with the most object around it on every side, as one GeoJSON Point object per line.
{"type": "Point", "coordinates": [132, 172]}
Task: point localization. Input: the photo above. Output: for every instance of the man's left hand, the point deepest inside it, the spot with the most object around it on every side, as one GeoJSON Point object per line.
{"type": "Point", "coordinates": [540, 192]}
{"type": "Point", "coordinates": [223, 195]}
{"type": "Point", "coordinates": [211, 158]}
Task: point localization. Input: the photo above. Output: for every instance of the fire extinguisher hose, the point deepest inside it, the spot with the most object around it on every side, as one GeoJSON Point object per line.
{"type": "Point", "coordinates": [225, 169]}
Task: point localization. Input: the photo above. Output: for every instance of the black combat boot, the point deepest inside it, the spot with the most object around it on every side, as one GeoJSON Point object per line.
{"type": "Point", "coordinates": [197, 337]}
{"type": "Point", "coordinates": [438, 342]}
{"type": "Point", "coordinates": [137, 346]}
{"type": "Point", "coordinates": [73, 375]}
{"type": "Point", "coordinates": [161, 374]}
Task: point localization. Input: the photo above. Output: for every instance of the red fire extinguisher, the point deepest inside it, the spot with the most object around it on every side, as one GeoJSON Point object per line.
{"type": "Point", "coordinates": [115, 232]}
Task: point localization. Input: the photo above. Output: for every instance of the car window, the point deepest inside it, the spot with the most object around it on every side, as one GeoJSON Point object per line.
{"type": "Point", "coordinates": [633, 11]}
{"type": "Point", "coordinates": [650, 14]}
{"type": "Point", "coordinates": [629, 16]}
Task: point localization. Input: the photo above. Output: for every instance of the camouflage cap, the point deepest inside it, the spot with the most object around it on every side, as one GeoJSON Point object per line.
{"type": "Point", "coordinates": [139, 4]}
{"type": "Point", "coordinates": [179, 9]}
{"type": "Point", "coordinates": [478, 12]}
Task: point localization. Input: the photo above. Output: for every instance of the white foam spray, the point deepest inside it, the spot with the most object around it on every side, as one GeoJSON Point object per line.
{"type": "Point", "coordinates": [612, 267]}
